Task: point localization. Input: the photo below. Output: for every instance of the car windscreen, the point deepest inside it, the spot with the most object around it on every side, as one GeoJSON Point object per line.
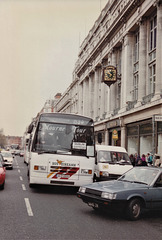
{"type": "Point", "coordinates": [140, 175]}
{"type": "Point", "coordinates": [6, 154]}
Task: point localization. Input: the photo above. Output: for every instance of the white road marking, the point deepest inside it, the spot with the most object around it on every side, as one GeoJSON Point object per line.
{"type": "Point", "coordinates": [21, 179]}
{"type": "Point", "coordinates": [28, 207]}
{"type": "Point", "coordinates": [23, 187]}
{"type": "Point", "coordinates": [18, 170]}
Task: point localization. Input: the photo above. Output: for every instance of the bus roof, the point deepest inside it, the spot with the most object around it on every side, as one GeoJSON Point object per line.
{"type": "Point", "coordinates": [66, 118]}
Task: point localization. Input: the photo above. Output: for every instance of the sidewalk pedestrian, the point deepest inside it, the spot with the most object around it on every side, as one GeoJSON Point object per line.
{"type": "Point", "coordinates": [144, 163]}
{"type": "Point", "coordinates": [149, 158]}
{"type": "Point", "coordinates": [132, 159]}
{"type": "Point", "coordinates": [157, 160]}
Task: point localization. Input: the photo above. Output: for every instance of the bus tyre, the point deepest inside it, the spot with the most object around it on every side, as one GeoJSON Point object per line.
{"type": "Point", "coordinates": [31, 185]}
{"type": "Point", "coordinates": [134, 209]}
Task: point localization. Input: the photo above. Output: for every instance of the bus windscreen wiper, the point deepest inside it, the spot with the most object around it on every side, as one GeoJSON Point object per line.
{"type": "Point", "coordinates": [47, 151]}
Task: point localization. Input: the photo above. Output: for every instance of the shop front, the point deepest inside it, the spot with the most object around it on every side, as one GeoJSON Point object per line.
{"type": "Point", "coordinates": [114, 133]}
{"type": "Point", "coordinates": [144, 137]}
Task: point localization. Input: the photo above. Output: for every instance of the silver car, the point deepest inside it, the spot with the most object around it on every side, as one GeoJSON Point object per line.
{"type": "Point", "coordinates": [8, 159]}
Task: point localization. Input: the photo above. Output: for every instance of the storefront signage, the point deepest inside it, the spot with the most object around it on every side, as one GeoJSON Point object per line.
{"type": "Point", "coordinates": [115, 134]}
{"type": "Point", "coordinates": [113, 124]}
{"type": "Point", "coordinates": [158, 118]}
{"type": "Point", "coordinates": [109, 75]}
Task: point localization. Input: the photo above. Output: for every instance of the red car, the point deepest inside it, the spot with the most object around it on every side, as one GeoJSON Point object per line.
{"type": "Point", "coordinates": [2, 173]}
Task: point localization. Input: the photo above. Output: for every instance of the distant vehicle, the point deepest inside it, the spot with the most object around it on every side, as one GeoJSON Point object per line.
{"type": "Point", "coordinates": [15, 149]}
{"type": "Point", "coordinates": [27, 149]}
{"type": "Point", "coordinates": [8, 159]}
{"type": "Point", "coordinates": [111, 162]}
{"type": "Point", "coordinates": [62, 150]}
{"type": "Point", "coordinates": [21, 153]}
{"type": "Point", "coordinates": [2, 172]}
{"type": "Point", "coordinates": [139, 188]}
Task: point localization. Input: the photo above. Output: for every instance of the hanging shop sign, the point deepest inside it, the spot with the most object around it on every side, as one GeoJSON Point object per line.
{"type": "Point", "coordinates": [115, 134]}
{"type": "Point", "coordinates": [109, 75]}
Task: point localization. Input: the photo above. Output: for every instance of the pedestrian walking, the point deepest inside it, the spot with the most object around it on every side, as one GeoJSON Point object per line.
{"type": "Point", "coordinates": [157, 160]}
{"type": "Point", "coordinates": [132, 159]}
{"type": "Point", "coordinates": [149, 158]}
{"type": "Point", "coordinates": [144, 163]}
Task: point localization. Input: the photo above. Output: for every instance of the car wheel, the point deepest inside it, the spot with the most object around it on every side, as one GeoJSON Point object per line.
{"type": "Point", "coordinates": [134, 209]}
{"type": "Point", "coordinates": [31, 185]}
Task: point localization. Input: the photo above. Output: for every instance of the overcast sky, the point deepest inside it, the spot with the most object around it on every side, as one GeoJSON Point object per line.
{"type": "Point", "coordinates": [39, 45]}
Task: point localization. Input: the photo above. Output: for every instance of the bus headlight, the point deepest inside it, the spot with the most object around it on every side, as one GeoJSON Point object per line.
{"type": "Point", "coordinates": [86, 171]}
{"type": "Point", "coordinates": [107, 195]}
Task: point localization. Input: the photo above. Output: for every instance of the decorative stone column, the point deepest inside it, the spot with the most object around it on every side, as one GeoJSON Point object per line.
{"type": "Point", "coordinates": [80, 98]}
{"type": "Point", "coordinates": [85, 97]}
{"type": "Point", "coordinates": [126, 81]}
{"type": "Point", "coordinates": [142, 61]}
{"type": "Point", "coordinates": [123, 136]}
{"type": "Point", "coordinates": [96, 80]}
{"type": "Point", "coordinates": [113, 86]}
{"type": "Point", "coordinates": [158, 83]}
{"type": "Point", "coordinates": [91, 94]}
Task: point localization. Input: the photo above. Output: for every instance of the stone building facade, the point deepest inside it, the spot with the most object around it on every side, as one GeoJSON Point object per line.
{"type": "Point", "coordinates": [128, 36]}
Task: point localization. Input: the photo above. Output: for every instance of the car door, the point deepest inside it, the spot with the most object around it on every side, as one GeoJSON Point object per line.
{"type": "Point", "coordinates": [157, 193]}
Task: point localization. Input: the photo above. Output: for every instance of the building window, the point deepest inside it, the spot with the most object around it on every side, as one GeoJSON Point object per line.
{"type": "Point", "coordinates": [152, 79]}
{"type": "Point", "coordinates": [135, 87]}
{"type": "Point", "coordinates": [119, 62]}
{"type": "Point", "coordinates": [153, 30]}
{"type": "Point", "coordinates": [136, 49]}
{"type": "Point", "coordinates": [119, 95]}
{"type": "Point", "coordinates": [136, 67]}
{"type": "Point", "coordinates": [152, 55]}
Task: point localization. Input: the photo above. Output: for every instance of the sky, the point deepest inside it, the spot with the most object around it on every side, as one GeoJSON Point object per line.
{"type": "Point", "coordinates": [39, 46]}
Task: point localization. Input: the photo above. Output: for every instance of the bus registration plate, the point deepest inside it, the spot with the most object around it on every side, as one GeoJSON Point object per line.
{"type": "Point", "coordinates": [62, 176]}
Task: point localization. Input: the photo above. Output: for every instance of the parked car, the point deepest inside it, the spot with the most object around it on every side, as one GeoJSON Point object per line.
{"type": "Point", "coordinates": [139, 188]}
{"type": "Point", "coordinates": [2, 172]}
{"type": "Point", "coordinates": [8, 159]}
{"type": "Point", "coordinates": [111, 162]}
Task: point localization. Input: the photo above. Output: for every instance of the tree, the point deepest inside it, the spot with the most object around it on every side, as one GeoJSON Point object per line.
{"type": "Point", "coordinates": [3, 140]}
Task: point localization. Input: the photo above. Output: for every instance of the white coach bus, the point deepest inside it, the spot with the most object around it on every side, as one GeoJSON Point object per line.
{"type": "Point", "coordinates": [62, 150]}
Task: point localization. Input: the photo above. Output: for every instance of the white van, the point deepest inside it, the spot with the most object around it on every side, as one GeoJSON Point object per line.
{"type": "Point", "coordinates": [111, 162]}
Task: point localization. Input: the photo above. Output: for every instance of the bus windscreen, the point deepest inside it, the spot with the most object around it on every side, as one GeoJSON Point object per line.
{"type": "Point", "coordinates": [64, 139]}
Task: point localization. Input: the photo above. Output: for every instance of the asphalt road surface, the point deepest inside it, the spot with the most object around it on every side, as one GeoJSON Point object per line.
{"type": "Point", "coordinates": [50, 212]}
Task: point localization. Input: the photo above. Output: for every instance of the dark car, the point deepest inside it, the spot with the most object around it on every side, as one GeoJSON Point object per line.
{"type": "Point", "coordinates": [139, 188]}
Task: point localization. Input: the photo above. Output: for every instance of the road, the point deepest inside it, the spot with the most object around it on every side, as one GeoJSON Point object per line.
{"type": "Point", "coordinates": [56, 213]}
